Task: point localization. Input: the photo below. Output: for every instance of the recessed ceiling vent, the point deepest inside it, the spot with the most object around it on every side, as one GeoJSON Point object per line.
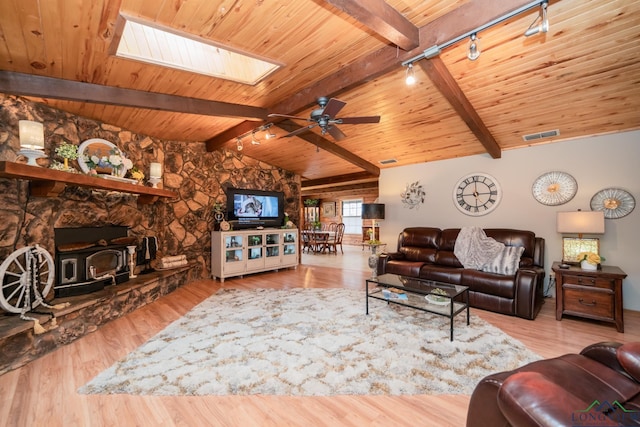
{"type": "Point", "coordinates": [540, 135]}
{"type": "Point", "coordinates": [388, 161]}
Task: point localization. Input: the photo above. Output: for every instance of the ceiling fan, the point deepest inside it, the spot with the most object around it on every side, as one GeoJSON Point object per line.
{"type": "Point", "coordinates": [325, 118]}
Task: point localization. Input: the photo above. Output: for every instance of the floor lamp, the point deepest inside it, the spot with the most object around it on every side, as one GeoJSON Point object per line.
{"type": "Point", "coordinates": [373, 211]}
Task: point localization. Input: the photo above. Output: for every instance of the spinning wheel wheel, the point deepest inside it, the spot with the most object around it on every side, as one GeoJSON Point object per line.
{"type": "Point", "coordinates": [26, 277]}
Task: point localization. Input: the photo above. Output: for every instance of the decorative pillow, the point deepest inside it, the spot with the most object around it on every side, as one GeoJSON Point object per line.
{"type": "Point", "coordinates": [506, 262]}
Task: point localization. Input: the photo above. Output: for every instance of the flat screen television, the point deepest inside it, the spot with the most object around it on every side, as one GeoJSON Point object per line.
{"type": "Point", "coordinates": [247, 208]}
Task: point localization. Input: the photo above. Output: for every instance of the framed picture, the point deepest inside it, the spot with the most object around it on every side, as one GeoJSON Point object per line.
{"type": "Point", "coordinates": [329, 209]}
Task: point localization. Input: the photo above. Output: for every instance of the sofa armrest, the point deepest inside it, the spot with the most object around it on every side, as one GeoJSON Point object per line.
{"type": "Point", "coordinates": [385, 257]}
{"type": "Point", "coordinates": [531, 399]}
{"type": "Point", "coordinates": [622, 358]}
{"type": "Point", "coordinates": [529, 286]}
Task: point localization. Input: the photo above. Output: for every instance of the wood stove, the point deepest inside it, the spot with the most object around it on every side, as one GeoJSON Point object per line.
{"type": "Point", "coordinates": [90, 258]}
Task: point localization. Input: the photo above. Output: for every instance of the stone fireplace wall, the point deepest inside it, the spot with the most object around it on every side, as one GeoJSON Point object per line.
{"type": "Point", "coordinates": [181, 225]}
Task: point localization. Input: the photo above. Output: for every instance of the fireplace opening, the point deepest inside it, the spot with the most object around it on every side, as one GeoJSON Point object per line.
{"type": "Point", "coordinates": [90, 258]}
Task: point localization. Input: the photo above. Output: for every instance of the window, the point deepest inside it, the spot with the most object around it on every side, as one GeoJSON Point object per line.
{"type": "Point", "coordinates": [352, 216]}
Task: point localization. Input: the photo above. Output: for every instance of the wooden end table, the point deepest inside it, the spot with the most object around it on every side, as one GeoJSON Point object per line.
{"type": "Point", "coordinates": [590, 294]}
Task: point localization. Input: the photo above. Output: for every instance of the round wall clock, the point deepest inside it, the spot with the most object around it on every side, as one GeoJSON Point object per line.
{"type": "Point", "coordinates": [477, 194]}
{"type": "Point", "coordinates": [554, 188]}
{"type": "Point", "coordinates": [614, 202]}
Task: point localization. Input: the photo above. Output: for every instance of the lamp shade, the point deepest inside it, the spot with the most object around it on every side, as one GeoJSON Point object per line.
{"type": "Point", "coordinates": [155, 170]}
{"type": "Point", "coordinates": [372, 211]}
{"type": "Point", "coordinates": [580, 222]}
{"type": "Point", "coordinates": [31, 135]}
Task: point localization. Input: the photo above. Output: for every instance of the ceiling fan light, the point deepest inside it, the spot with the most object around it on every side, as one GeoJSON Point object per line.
{"type": "Point", "coordinates": [474, 48]}
{"type": "Point", "coordinates": [254, 141]}
{"type": "Point", "coordinates": [410, 78]}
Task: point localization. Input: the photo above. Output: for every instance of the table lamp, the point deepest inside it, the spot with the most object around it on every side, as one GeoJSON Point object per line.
{"type": "Point", "coordinates": [31, 141]}
{"type": "Point", "coordinates": [373, 211]}
{"type": "Point", "coordinates": [579, 223]}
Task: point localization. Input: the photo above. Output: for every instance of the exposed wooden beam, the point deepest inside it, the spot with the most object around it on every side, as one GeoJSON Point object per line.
{"type": "Point", "coordinates": [463, 19]}
{"type": "Point", "coordinates": [48, 87]}
{"type": "Point", "coordinates": [329, 146]}
{"type": "Point", "coordinates": [340, 179]}
{"type": "Point", "coordinates": [383, 19]}
{"type": "Point", "coordinates": [447, 85]}
{"type": "Point", "coordinates": [351, 189]}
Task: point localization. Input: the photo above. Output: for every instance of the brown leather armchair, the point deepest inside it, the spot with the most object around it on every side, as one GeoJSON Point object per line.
{"type": "Point", "coordinates": [600, 386]}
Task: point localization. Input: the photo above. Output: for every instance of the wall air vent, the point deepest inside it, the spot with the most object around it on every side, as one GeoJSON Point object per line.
{"type": "Point", "coordinates": [388, 161]}
{"type": "Point", "coordinates": [540, 135]}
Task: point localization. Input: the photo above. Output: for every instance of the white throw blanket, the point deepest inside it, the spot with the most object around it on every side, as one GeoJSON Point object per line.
{"type": "Point", "coordinates": [474, 249]}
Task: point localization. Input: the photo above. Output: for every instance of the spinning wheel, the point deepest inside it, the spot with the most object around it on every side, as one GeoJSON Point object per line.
{"type": "Point", "coordinates": [26, 277]}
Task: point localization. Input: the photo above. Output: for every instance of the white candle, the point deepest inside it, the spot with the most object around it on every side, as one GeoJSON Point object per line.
{"type": "Point", "coordinates": [31, 135]}
{"type": "Point", "coordinates": [155, 170]}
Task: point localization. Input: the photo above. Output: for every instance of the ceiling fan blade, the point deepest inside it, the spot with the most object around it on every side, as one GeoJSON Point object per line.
{"type": "Point", "coordinates": [285, 116]}
{"type": "Point", "coordinates": [357, 120]}
{"type": "Point", "coordinates": [336, 133]}
{"type": "Point", "coordinates": [297, 131]}
{"type": "Point", "coordinates": [333, 107]}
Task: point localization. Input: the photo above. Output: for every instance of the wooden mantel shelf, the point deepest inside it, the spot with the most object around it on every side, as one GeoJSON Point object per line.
{"type": "Point", "coordinates": [49, 182]}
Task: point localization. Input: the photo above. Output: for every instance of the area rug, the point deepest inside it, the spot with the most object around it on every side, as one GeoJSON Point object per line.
{"type": "Point", "coordinates": [311, 342]}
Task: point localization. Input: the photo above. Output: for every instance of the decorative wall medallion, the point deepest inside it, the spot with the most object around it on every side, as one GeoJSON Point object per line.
{"type": "Point", "coordinates": [614, 202]}
{"type": "Point", "coordinates": [413, 195]}
{"type": "Point", "coordinates": [477, 194]}
{"type": "Point", "coordinates": [554, 188]}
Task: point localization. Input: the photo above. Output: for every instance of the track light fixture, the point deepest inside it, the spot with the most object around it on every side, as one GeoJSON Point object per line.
{"type": "Point", "coordinates": [410, 77]}
{"type": "Point", "coordinates": [254, 140]}
{"type": "Point", "coordinates": [543, 27]}
{"type": "Point", "coordinates": [474, 47]}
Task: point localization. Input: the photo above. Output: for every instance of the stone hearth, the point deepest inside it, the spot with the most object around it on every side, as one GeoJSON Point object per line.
{"type": "Point", "coordinates": [19, 345]}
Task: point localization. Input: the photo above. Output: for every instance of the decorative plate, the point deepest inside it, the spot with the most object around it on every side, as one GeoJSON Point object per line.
{"type": "Point", "coordinates": [554, 188]}
{"type": "Point", "coordinates": [225, 226]}
{"type": "Point", "coordinates": [437, 299]}
{"type": "Point", "coordinates": [100, 147]}
{"type": "Point", "coordinates": [614, 202]}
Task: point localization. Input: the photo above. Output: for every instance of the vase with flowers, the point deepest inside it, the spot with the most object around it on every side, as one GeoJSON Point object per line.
{"type": "Point", "coordinates": [589, 260]}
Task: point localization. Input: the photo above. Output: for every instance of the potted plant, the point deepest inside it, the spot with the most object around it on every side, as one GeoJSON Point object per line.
{"type": "Point", "coordinates": [589, 260]}
{"type": "Point", "coordinates": [311, 202]}
{"type": "Point", "coordinates": [67, 152]}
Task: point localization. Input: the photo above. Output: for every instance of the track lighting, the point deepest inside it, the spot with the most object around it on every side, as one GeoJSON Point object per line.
{"type": "Point", "coordinates": [474, 47]}
{"type": "Point", "coordinates": [543, 27]}
{"type": "Point", "coordinates": [410, 78]}
{"type": "Point", "coordinates": [239, 145]}
{"type": "Point", "coordinates": [474, 43]}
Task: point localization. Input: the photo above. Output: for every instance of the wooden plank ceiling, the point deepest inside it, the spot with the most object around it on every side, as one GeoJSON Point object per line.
{"type": "Point", "coordinates": [582, 77]}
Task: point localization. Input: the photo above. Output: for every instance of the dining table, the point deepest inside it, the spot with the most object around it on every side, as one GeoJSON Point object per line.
{"type": "Point", "coordinates": [318, 240]}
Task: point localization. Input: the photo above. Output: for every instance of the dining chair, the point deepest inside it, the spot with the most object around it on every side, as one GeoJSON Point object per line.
{"type": "Point", "coordinates": [337, 239]}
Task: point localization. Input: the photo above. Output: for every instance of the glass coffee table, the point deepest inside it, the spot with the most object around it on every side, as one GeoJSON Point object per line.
{"type": "Point", "coordinates": [430, 296]}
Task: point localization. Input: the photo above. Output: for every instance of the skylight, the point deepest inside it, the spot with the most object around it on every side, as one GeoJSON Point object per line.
{"type": "Point", "coordinates": [167, 48]}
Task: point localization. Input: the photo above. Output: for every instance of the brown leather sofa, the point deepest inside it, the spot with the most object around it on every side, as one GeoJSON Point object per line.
{"type": "Point", "coordinates": [600, 386]}
{"type": "Point", "coordinates": [427, 253]}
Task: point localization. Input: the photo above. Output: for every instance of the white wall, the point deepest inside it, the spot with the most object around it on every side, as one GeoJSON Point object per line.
{"type": "Point", "coordinates": [596, 163]}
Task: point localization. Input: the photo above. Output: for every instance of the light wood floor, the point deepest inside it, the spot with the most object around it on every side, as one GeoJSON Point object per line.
{"type": "Point", "coordinates": [44, 392]}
